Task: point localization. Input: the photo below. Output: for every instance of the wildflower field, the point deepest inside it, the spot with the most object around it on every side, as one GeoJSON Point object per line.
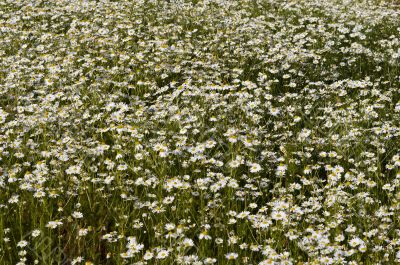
{"type": "Point", "coordinates": [199, 132]}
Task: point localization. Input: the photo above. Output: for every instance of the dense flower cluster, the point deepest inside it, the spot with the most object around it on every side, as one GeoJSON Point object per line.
{"type": "Point", "coordinates": [199, 132]}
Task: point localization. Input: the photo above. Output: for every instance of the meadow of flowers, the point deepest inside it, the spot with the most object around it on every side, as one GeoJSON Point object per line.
{"type": "Point", "coordinates": [199, 132]}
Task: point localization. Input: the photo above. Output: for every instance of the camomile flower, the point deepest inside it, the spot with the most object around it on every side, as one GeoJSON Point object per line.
{"type": "Point", "coordinates": [77, 260]}
{"type": "Point", "coordinates": [231, 256]}
{"type": "Point", "coordinates": [76, 169]}
{"type": "Point", "coordinates": [281, 170]}
{"type": "Point", "coordinates": [162, 254]}
{"type": "Point", "coordinates": [77, 215]}
{"type": "Point", "coordinates": [187, 242]}
{"type": "Point", "coordinates": [234, 164]}
{"type": "Point", "coordinates": [53, 224]}
{"type": "Point", "coordinates": [339, 238]}
{"type": "Point", "coordinates": [35, 233]}
{"type": "Point", "coordinates": [254, 167]}
{"type": "Point", "coordinates": [148, 255]}
{"type": "Point", "coordinates": [22, 243]}
{"type": "Point", "coordinates": [278, 215]}
{"type": "Point", "coordinates": [83, 232]}
{"type": "Point", "coordinates": [214, 260]}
